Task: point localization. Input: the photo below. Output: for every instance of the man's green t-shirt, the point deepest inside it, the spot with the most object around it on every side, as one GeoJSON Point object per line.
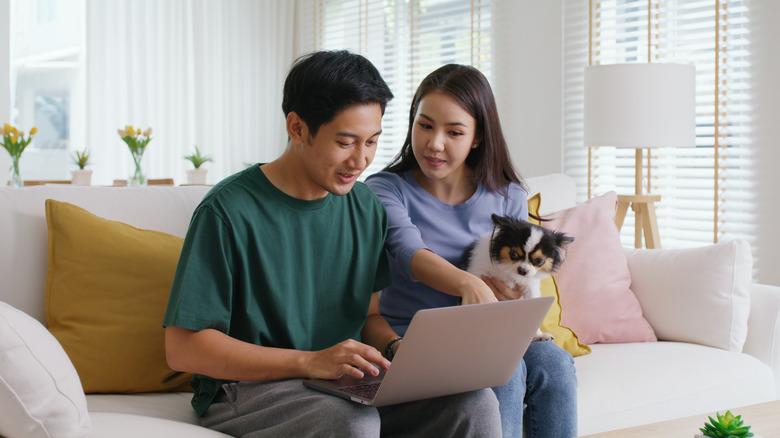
{"type": "Point", "coordinates": [273, 270]}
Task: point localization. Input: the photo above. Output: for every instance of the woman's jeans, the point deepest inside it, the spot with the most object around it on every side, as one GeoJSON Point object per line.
{"type": "Point", "coordinates": [543, 392]}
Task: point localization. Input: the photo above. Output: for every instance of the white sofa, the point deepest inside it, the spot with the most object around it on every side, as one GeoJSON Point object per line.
{"type": "Point", "coordinates": [620, 385]}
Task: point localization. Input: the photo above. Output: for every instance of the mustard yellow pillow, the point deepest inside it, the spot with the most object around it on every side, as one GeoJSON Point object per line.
{"type": "Point", "coordinates": [564, 336]}
{"type": "Point", "coordinates": [106, 293]}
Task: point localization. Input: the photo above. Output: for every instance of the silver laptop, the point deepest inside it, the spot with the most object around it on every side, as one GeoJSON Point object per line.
{"type": "Point", "coordinates": [449, 350]}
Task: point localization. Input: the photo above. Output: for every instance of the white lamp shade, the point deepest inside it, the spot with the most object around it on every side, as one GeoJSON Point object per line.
{"type": "Point", "coordinates": [640, 105]}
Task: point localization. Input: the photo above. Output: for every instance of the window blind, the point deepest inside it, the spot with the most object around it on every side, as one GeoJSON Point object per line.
{"type": "Point", "coordinates": [706, 191]}
{"type": "Point", "coordinates": [405, 40]}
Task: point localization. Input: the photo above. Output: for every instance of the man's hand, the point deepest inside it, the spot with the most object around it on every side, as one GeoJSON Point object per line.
{"type": "Point", "coordinates": [350, 358]}
{"type": "Point", "coordinates": [502, 291]}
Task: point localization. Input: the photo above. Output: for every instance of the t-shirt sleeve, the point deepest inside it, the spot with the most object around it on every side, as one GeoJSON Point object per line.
{"type": "Point", "coordinates": [517, 205]}
{"type": "Point", "coordinates": [202, 286]}
{"type": "Point", "coordinates": [403, 237]}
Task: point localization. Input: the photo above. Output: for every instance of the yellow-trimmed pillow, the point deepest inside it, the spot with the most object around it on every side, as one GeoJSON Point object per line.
{"type": "Point", "coordinates": [564, 336]}
{"type": "Point", "coordinates": [106, 293]}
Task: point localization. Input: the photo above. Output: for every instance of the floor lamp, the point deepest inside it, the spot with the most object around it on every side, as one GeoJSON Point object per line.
{"type": "Point", "coordinates": [640, 106]}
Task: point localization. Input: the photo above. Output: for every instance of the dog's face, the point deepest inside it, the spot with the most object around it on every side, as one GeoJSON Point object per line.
{"type": "Point", "coordinates": [525, 249]}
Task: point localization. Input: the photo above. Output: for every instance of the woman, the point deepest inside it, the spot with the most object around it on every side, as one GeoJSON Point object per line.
{"type": "Point", "coordinates": [451, 174]}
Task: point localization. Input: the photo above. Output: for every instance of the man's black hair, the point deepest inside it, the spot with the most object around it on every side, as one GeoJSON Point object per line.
{"type": "Point", "coordinates": [322, 84]}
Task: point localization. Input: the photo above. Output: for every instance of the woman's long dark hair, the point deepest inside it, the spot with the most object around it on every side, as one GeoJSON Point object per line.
{"type": "Point", "coordinates": [489, 161]}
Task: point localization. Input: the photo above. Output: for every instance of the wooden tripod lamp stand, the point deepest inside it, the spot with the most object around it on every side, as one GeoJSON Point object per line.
{"type": "Point", "coordinates": [640, 106]}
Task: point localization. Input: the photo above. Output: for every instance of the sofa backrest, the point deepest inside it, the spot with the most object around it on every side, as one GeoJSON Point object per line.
{"type": "Point", "coordinates": [24, 235]}
{"type": "Point", "coordinates": [558, 190]}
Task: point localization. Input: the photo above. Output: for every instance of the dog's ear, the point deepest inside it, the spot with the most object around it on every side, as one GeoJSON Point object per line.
{"type": "Point", "coordinates": [498, 220]}
{"type": "Point", "coordinates": [562, 242]}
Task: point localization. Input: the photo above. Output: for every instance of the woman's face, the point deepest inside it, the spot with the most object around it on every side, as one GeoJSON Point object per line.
{"type": "Point", "coordinates": [442, 136]}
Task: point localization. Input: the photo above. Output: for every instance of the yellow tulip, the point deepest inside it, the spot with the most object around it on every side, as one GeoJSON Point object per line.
{"type": "Point", "coordinates": [14, 130]}
{"type": "Point", "coordinates": [14, 138]}
{"type": "Point", "coordinates": [148, 132]}
{"type": "Point", "coordinates": [130, 130]}
{"type": "Point", "coordinates": [7, 128]}
{"type": "Point", "coordinates": [34, 130]}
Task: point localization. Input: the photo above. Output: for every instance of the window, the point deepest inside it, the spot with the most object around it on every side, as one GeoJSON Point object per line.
{"type": "Point", "coordinates": [705, 191]}
{"type": "Point", "coordinates": [47, 80]}
{"type": "Point", "coordinates": [405, 40]}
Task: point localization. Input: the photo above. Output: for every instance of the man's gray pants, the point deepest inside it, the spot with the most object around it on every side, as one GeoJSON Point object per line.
{"type": "Point", "coordinates": [288, 409]}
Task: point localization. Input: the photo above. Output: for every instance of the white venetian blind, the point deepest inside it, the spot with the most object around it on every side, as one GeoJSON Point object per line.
{"type": "Point", "coordinates": [705, 191]}
{"type": "Point", "coordinates": [405, 40]}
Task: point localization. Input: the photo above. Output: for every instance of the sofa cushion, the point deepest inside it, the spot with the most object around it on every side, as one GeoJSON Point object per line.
{"type": "Point", "coordinates": [622, 385]}
{"type": "Point", "coordinates": [564, 336]}
{"type": "Point", "coordinates": [175, 406]}
{"type": "Point", "coordinates": [39, 388]}
{"type": "Point", "coordinates": [106, 293]}
{"type": "Point", "coordinates": [123, 425]}
{"type": "Point", "coordinates": [699, 295]}
{"type": "Point", "coordinates": [596, 300]}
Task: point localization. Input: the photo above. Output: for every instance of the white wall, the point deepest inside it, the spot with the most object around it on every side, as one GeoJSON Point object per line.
{"type": "Point", "coordinates": [5, 80]}
{"type": "Point", "coordinates": [527, 71]}
{"type": "Point", "coordinates": [765, 69]}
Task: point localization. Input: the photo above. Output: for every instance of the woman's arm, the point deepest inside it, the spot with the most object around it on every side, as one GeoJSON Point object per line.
{"type": "Point", "coordinates": [405, 243]}
{"type": "Point", "coordinates": [436, 272]}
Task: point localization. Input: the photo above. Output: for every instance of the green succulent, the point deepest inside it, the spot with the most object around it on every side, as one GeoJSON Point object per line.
{"type": "Point", "coordinates": [726, 426]}
{"type": "Point", "coordinates": [197, 159]}
{"type": "Point", "coordinates": [81, 158]}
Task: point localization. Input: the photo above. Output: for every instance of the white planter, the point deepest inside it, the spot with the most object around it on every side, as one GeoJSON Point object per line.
{"type": "Point", "coordinates": [81, 177]}
{"type": "Point", "coordinates": [197, 177]}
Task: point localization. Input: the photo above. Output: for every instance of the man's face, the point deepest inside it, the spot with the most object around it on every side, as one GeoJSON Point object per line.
{"type": "Point", "coordinates": [341, 150]}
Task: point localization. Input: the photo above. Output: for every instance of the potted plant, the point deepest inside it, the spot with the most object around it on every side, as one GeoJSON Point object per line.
{"type": "Point", "coordinates": [726, 426]}
{"type": "Point", "coordinates": [197, 176]}
{"type": "Point", "coordinates": [81, 176]}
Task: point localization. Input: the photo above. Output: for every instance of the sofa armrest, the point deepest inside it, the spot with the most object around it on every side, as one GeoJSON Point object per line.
{"type": "Point", "coordinates": [763, 339]}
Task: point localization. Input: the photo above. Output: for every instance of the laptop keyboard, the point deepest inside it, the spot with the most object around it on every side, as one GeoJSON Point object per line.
{"type": "Point", "coordinates": [368, 390]}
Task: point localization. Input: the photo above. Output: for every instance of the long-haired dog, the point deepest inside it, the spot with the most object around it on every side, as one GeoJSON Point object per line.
{"type": "Point", "coordinates": [518, 253]}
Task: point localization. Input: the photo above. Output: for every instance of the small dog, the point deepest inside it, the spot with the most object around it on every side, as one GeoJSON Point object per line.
{"type": "Point", "coordinates": [517, 253]}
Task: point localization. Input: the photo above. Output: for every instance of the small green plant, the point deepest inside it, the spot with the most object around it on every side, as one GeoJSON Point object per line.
{"type": "Point", "coordinates": [726, 426]}
{"type": "Point", "coordinates": [81, 158]}
{"type": "Point", "coordinates": [197, 159]}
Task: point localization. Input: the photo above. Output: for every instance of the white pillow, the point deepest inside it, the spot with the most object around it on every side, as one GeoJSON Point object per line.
{"type": "Point", "coordinates": [40, 391]}
{"type": "Point", "coordinates": [698, 295]}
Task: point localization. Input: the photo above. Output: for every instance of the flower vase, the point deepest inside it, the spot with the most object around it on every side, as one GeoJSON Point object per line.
{"type": "Point", "coordinates": [16, 177]}
{"type": "Point", "coordinates": [137, 178]}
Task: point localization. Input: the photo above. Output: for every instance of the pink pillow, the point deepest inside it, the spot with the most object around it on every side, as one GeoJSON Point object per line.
{"type": "Point", "coordinates": [594, 280]}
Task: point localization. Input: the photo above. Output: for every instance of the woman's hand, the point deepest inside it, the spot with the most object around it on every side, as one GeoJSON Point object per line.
{"type": "Point", "coordinates": [472, 290]}
{"type": "Point", "coordinates": [502, 291]}
{"type": "Point", "coordinates": [349, 358]}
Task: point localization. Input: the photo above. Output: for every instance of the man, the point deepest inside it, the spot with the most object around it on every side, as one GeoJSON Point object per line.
{"type": "Point", "coordinates": [277, 274]}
